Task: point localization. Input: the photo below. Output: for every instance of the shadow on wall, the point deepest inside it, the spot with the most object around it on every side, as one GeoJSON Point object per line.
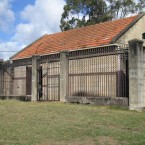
{"type": "Point", "coordinates": [86, 94]}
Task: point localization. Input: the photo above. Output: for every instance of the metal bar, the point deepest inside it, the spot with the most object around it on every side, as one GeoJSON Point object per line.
{"type": "Point", "coordinates": [47, 79]}
{"type": "Point", "coordinates": [19, 78]}
{"type": "Point", "coordinates": [93, 74]}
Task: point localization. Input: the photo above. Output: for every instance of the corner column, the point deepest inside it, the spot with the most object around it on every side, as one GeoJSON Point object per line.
{"type": "Point", "coordinates": [136, 75]}
{"type": "Point", "coordinates": [1, 77]}
{"type": "Point", "coordinates": [64, 68]}
{"type": "Point", "coordinates": [35, 66]}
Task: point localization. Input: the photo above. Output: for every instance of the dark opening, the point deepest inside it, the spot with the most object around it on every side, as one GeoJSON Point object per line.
{"type": "Point", "coordinates": [28, 80]}
{"type": "Point", "coordinates": [127, 78]}
{"type": "Point", "coordinates": [40, 83]}
{"type": "Point", "coordinates": [143, 36]}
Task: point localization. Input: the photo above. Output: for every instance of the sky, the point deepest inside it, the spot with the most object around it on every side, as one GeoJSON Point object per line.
{"type": "Point", "coordinates": [24, 21]}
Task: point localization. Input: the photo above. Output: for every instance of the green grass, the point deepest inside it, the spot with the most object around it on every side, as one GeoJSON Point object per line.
{"type": "Point", "coordinates": [49, 123]}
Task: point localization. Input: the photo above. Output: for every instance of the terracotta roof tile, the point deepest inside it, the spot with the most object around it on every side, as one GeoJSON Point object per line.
{"type": "Point", "coordinates": [90, 36]}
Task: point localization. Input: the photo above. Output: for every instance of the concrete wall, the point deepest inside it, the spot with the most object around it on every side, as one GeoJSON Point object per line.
{"type": "Point", "coordinates": [12, 79]}
{"type": "Point", "coordinates": [144, 71]}
{"type": "Point", "coordinates": [19, 83]}
{"type": "Point", "coordinates": [135, 31]}
{"type": "Point", "coordinates": [99, 100]}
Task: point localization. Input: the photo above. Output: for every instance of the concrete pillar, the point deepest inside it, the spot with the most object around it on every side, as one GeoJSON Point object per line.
{"type": "Point", "coordinates": [1, 77]}
{"type": "Point", "coordinates": [136, 75]}
{"type": "Point", "coordinates": [64, 68]}
{"type": "Point", "coordinates": [35, 66]}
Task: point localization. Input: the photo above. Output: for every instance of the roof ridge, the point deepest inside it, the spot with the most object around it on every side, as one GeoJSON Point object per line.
{"type": "Point", "coordinates": [84, 27]}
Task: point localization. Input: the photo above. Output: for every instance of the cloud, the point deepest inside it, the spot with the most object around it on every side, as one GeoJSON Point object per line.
{"type": "Point", "coordinates": [9, 48]}
{"type": "Point", "coordinates": [7, 16]}
{"type": "Point", "coordinates": [36, 20]}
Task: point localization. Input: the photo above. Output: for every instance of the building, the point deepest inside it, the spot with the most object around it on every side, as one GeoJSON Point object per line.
{"type": "Point", "coordinates": [89, 62]}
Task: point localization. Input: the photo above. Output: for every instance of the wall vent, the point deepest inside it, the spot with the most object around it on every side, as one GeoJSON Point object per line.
{"type": "Point", "coordinates": [143, 36]}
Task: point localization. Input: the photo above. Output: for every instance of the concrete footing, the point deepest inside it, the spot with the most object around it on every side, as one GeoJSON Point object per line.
{"type": "Point", "coordinates": [15, 97]}
{"type": "Point", "coordinates": [98, 100]}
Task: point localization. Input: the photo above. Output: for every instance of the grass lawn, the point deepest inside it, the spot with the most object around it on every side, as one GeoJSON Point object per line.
{"type": "Point", "coordinates": [51, 123]}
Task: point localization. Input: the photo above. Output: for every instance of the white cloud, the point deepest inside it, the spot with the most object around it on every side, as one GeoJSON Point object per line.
{"type": "Point", "coordinates": [38, 19]}
{"type": "Point", "coordinates": [7, 16]}
{"type": "Point", "coordinates": [8, 49]}
{"type": "Point", "coordinates": [41, 18]}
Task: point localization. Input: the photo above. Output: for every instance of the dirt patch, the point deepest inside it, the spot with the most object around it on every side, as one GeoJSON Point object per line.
{"type": "Point", "coordinates": [103, 140]}
{"type": "Point", "coordinates": [86, 141]}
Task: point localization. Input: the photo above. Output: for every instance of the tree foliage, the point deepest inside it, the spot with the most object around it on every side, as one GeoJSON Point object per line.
{"type": "Point", "coordinates": [123, 8]}
{"type": "Point", "coordinates": [79, 13]}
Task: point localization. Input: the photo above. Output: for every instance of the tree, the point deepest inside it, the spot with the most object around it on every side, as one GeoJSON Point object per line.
{"type": "Point", "coordinates": [79, 13]}
{"type": "Point", "coordinates": [123, 8]}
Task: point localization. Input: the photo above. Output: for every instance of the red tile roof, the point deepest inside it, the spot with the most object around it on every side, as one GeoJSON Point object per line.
{"type": "Point", "coordinates": [90, 36]}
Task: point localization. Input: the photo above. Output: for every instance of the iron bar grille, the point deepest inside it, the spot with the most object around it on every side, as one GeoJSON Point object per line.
{"type": "Point", "coordinates": [15, 76]}
{"type": "Point", "coordinates": [7, 78]}
{"type": "Point", "coordinates": [49, 78]}
{"type": "Point", "coordinates": [99, 72]}
{"type": "Point", "coordinates": [93, 72]}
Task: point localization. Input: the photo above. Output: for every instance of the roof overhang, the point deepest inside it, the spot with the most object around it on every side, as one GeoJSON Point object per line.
{"type": "Point", "coordinates": [11, 58]}
{"type": "Point", "coordinates": [80, 49]}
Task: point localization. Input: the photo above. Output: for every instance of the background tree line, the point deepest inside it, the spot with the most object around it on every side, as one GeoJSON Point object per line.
{"type": "Point", "coordinates": [79, 13]}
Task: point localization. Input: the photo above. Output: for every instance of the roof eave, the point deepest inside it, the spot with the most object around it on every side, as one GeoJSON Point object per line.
{"type": "Point", "coordinates": [13, 56]}
{"type": "Point", "coordinates": [86, 48]}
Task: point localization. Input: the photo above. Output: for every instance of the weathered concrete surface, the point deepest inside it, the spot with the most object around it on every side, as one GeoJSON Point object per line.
{"type": "Point", "coordinates": [136, 75]}
{"type": "Point", "coordinates": [15, 97]}
{"type": "Point", "coordinates": [64, 66]}
{"type": "Point", "coordinates": [120, 101]}
{"type": "Point", "coordinates": [144, 71]}
{"type": "Point", "coordinates": [135, 31]}
{"type": "Point", "coordinates": [19, 85]}
{"type": "Point", "coordinates": [35, 66]}
{"type": "Point", "coordinates": [8, 78]}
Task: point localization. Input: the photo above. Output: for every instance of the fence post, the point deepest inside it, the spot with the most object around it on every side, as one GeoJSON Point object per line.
{"type": "Point", "coordinates": [64, 67]}
{"type": "Point", "coordinates": [1, 77]}
{"type": "Point", "coordinates": [136, 75]}
{"type": "Point", "coordinates": [35, 66]}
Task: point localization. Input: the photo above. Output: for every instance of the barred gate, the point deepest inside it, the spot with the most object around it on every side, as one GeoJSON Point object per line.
{"type": "Point", "coordinates": [99, 72]}
{"type": "Point", "coordinates": [49, 76]}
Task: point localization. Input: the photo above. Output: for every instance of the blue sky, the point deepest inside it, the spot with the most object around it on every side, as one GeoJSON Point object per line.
{"type": "Point", "coordinates": [23, 21]}
{"type": "Point", "coordinates": [18, 5]}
